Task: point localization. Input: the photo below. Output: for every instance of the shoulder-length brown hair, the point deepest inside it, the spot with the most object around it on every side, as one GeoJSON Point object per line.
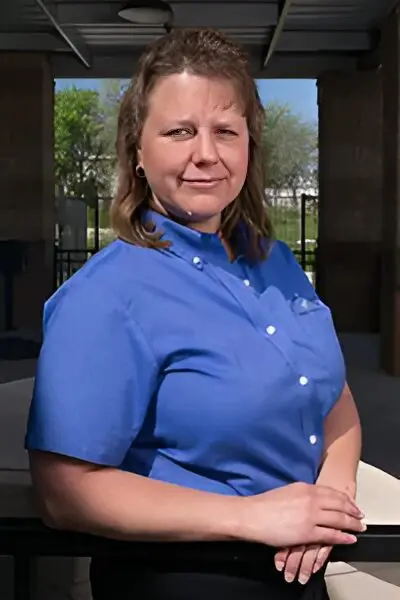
{"type": "Point", "coordinates": [202, 52]}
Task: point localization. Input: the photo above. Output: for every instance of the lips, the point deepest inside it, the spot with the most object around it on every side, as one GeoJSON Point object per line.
{"type": "Point", "coordinates": [201, 184]}
{"type": "Point", "coordinates": [201, 180]}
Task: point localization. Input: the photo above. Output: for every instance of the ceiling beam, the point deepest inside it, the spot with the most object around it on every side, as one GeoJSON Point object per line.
{"type": "Point", "coordinates": [286, 4]}
{"type": "Point", "coordinates": [122, 38]}
{"type": "Point", "coordinates": [282, 65]}
{"type": "Point", "coordinates": [372, 59]}
{"type": "Point", "coordinates": [305, 65]}
{"type": "Point", "coordinates": [313, 41]}
{"type": "Point", "coordinates": [386, 7]}
{"type": "Point", "coordinates": [31, 42]}
{"type": "Point", "coordinates": [186, 14]}
{"type": "Point", "coordinates": [69, 34]}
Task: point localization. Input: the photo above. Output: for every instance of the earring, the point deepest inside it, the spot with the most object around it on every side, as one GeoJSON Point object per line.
{"type": "Point", "coordinates": [140, 172]}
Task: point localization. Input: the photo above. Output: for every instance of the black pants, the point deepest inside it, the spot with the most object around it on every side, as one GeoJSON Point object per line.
{"type": "Point", "coordinates": [121, 579]}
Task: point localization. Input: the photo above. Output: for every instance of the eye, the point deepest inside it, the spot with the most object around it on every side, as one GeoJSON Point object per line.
{"type": "Point", "coordinates": [180, 132]}
{"type": "Point", "coordinates": [226, 132]}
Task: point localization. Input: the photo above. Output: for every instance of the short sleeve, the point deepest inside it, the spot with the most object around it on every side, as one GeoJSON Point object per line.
{"type": "Point", "coordinates": [95, 377]}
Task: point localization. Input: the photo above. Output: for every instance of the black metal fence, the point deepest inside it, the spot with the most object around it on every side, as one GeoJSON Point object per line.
{"type": "Point", "coordinates": [307, 260]}
{"type": "Point", "coordinates": [296, 224]}
{"type": "Point", "coordinates": [68, 262]}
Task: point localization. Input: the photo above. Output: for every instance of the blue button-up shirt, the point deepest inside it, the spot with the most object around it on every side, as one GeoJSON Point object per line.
{"type": "Point", "coordinates": [187, 367]}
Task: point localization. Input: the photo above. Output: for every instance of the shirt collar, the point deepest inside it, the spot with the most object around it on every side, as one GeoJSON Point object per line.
{"type": "Point", "coordinates": [188, 243]}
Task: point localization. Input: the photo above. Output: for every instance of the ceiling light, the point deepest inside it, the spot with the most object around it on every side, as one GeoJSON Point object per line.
{"type": "Point", "coordinates": [152, 12]}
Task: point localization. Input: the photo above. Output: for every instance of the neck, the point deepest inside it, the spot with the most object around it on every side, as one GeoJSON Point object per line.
{"type": "Point", "coordinates": [211, 225]}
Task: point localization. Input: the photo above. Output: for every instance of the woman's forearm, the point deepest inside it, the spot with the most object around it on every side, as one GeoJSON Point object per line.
{"type": "Point", "coordinates": [336, 472]}
{"type": "Point", "coordinates": [121, 505]}
{"type": "Point", "coordinates": [342, 445]}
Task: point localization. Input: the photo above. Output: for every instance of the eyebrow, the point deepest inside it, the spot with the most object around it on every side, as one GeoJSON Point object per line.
{"type": "Point", "coordinates": [181, 123]}
{"type": "Point", "coordinates": [191, 123]}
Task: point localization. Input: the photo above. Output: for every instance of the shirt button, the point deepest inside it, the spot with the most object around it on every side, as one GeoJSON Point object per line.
{"type": "Point", "coordinates": [270, 330]}
{"type": "Point", "coordinates": [313, 439]}
{"type": "Point", "coordinates": [198, 263]}
{"type": "Point", "coordinates": [303, 380]}
{"type": "Point", "coordinates": [246, 282]}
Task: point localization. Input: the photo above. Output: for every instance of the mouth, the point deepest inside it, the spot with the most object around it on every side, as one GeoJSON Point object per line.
{"type": "Point", "coordinates": [201, 182]}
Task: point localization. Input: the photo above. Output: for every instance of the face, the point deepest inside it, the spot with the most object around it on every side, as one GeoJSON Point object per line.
{"type": "Point", "coordinates": [194, 148]}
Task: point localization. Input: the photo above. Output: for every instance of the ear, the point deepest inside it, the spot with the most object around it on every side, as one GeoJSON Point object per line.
{"type": "Point", "coordinates": [139, 158]}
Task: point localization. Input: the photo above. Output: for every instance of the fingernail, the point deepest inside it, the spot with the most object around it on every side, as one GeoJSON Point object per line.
{"type": "Point", "coordinates": [364, 527]}
{"type": "Point", "coordinates": [352, 539]}
{"type": "Point", "coordinates": [303, 579]}
{"type": "Point", "coordinates": [289, 577]}
{"type": "Point", "coordinates": [279, 566]}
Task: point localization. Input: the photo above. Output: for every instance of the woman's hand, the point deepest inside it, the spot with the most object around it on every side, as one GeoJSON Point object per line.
{"type": "Point", "coordinates": [299, 515]}
{"type": "Point", "coordinates": [301, 561]}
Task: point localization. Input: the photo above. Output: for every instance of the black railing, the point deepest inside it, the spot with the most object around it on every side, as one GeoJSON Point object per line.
{"type": "Point", "coordinates": [306, 258]}
{"type": "Point", "coordinates": [26, 539]}
{"type": "Point", "coordinates": [68, 262]}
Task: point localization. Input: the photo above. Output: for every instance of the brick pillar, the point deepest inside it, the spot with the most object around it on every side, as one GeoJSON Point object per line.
{"type": "Point", "coordinates": [350, 219]}
{"type": "Point", "coordinates": [27, 178]}
{"type": "Point", "coordinates": [390, 293]}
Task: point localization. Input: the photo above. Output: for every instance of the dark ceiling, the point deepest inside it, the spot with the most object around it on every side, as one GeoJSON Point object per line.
{"type": "Point", "coordinates": [292, 38]}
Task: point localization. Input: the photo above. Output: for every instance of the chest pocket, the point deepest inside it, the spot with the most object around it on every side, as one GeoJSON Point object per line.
{"type": "Point", "coordinates": [305, 306]}
{"type": "Point", "coordinates": [316, 323]}
{"type": "Point", "coordinates": [315, 319]}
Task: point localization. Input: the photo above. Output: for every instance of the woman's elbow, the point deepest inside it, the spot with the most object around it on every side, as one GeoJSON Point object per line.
{"type": "Point", "coordinates": [53, 512]}
{"type": "Point", "coordinates": [51, 515]}
{"type": "Point", "coordinates": [51, 492]}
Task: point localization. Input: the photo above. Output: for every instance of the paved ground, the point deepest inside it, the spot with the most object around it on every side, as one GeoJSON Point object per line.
{"type": "Point", "coordinates": [17, 355]}
{"type": "Point", "coordinates": [378, 400]}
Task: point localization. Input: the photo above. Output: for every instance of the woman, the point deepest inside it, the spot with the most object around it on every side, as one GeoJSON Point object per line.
{"type": "Point", "coordinates": [191, 386]}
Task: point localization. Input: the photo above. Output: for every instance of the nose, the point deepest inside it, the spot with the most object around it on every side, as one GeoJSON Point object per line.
{"type": "Point", "coordinates": [205, 149]}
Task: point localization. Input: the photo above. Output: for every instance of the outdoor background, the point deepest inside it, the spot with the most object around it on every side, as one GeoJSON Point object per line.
{"type": "Point", "coordinates": [85, 126]}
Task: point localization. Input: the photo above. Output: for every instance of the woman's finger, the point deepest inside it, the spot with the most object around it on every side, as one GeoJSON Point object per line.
{"type": "Point", "coordinates": [280, 558]}
{"type": "Point", "coordinates": [322, 557]}
{"type": "Point", "coordinates": [307, 563]}
{"type": "Point", "coordinates": [293, 562]}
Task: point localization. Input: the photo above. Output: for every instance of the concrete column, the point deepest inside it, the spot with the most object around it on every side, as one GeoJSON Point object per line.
{"type": "Point", "coordinates": [27, 178]}
{"type": "Point", "coordinates": [350, 219]}
{"type": "Point", "coordinates": [390, 293]}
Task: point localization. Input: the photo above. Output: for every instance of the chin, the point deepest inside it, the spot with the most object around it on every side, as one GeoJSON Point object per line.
{"type": "Point", "coordinates": [204, 207]}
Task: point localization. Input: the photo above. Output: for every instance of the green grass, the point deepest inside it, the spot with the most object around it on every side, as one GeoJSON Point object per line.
{"type": "Point", "coordinates": [286, 223]}
{"type": "Point", "coordinates": [106, 237]}
{"type": "Point", "coordinates": [104, 218]}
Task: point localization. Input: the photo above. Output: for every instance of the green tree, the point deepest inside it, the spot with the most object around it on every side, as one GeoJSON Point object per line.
{"type": "Point", "coordinates": [111, 93]}
{"type": "Point", "coordinates": [82, 163]}
{"type": "Point", "coordinates": [291, 146]}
